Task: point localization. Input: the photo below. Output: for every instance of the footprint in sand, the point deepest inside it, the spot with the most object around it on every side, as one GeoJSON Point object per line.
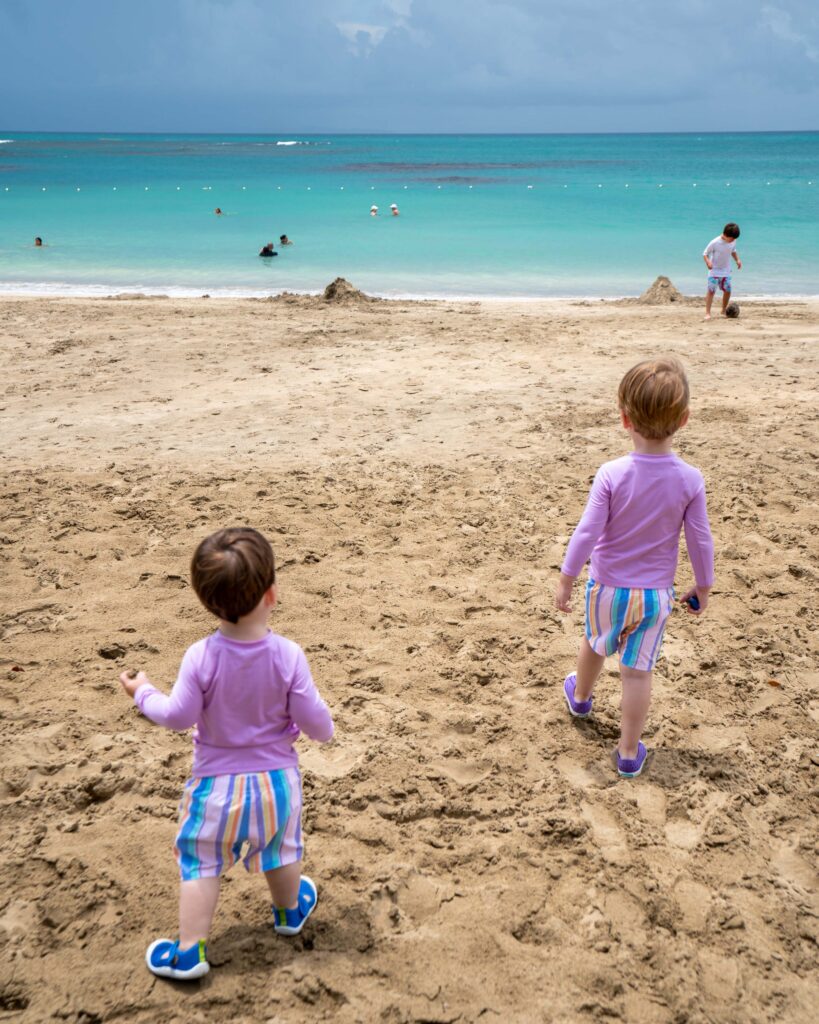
{"type": "Point", "coordinates": [694, 901]}
{"type": "Point", "coordinates": [575, 774]}
{"type": "Point", "coordinates": [331, 760]}
{"type": "Point", "coordinates": [610, 837]}
{"type": "Point", "coordinates": [410, 901]}
{"type": "Point", "coordinates": [465, 773]}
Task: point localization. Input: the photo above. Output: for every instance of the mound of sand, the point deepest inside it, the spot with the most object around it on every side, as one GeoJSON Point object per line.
{"type": "Point", "coordinates": [661, 293]}
{"type": "Point", "coordinates": [341, 290]}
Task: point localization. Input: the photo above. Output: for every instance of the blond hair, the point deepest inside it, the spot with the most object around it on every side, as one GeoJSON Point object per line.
{"type": "Point", "coordinates": [654, 396]}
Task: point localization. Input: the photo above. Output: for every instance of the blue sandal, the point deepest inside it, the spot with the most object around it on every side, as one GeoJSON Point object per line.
{"type": "Point", "coordinates": [291, 922]}
{"type": "Point", "coordinates": [165, 959]}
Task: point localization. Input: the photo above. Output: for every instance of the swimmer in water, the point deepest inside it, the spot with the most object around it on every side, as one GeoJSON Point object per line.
{"type": "Point", "coordinates": [284, 240]}
{"type": "Point", "coordinates": [394, 210]}
{"type": "Point", "coordinates": [218, 211]}
{"type": "Point", "coordinates": [38, 242]}
{"type": "Point", "coordinates": [373, 211]}
{"type": "Point", "coordinates": [268, 250]}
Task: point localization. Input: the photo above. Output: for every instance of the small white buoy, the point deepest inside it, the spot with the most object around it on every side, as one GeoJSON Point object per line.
{"type": "Point", "coordinates": [599, 186]}
{"type": "Point", "coordinates": [530, 186]}
{"type": "Point", "coordinates": [372, 188]}
{"type": "Point", "coordinates": [244, 188]}
{"type": "Point", "coordinates": [146, 188]}
{"type": "Point", "coordinates": [470, 186]}
{"type": "Point", "coordinates": [114, 188]}
{"type": "Point", "coordinates": [810, 182]}
{"type": "Point", "coordinates": [7, 188]}
{"type": "Point", "coordinates": [659, 186]}
{"type": "Point", "coordinates": [309, 188]}
{"type": "Point", "coordinates": [178, 188]}
{"type": "Point", "coordinates": [341, 188]}
{"type": "Point", "coordinates": [79, 190]}
{"type": "Point", "coordinates": [439, 186]}
{"type": "Point", "coordinates": [407, 186]}
{"type": "Point", "coordinates": [693, 184]}
{"type": "Point", "coordinates": [727, 184]}
{"type": "Point", "coordinates": [626, 185]}
{"type": "Point", "coordinates": [278, 188]}
{"type": "Point", "coordinates": [565, 186]}
{"type": "Point", "coordinates": [44, 188]}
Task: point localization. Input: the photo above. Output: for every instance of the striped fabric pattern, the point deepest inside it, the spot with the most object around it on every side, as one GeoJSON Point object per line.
{"type": "Point", "coordinates": [627, 620]}
{"type": "Point", "coordinates": [222, 814]}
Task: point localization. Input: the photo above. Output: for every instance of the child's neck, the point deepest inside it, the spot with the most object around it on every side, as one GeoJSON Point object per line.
{"type": "Point", "coordinates": [248, 628]}
{"type": "Point", "coordinates": [647, 446]}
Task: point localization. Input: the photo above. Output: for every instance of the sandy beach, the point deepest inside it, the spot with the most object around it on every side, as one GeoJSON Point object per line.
{"type": "Point", "coordinates": [419, 468]}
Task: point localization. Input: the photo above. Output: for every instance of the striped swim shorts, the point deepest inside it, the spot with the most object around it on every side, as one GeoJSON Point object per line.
{"type": "Point", "coordinates": [627, 620]}
{"type": "Point", "coordinates": [222, 818]}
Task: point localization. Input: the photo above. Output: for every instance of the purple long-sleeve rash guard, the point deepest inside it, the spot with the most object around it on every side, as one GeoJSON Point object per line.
{"type": "Point", "coordinates": [631, 525]}
{"type": "Point", "coordinates": [248, 701]}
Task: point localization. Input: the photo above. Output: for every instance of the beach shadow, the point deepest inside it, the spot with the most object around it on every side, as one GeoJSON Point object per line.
{"type": "Point", "coordinates": [676, 767]}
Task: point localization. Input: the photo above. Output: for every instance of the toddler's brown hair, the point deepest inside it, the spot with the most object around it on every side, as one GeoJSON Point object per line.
{"type": "Point", "coordinates": [654, 396]}
{"type": "Point", "coordinates": [231, 570]}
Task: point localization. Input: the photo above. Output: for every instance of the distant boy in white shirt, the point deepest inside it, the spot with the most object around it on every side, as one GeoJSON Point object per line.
{"type": "Point", "coordinates": [717, 258]}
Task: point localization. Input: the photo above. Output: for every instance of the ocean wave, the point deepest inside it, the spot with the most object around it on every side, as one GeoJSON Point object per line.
{"type": "Point", "coordinates": [416, 291]}
{"type": "Point", "coordinates": [291, 142]}
{"type": "Point", "coordinates": [5, 140]}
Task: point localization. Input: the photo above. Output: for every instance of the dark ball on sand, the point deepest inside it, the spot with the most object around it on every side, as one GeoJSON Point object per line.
{"type": "Point", "coordinates": [732, 310]}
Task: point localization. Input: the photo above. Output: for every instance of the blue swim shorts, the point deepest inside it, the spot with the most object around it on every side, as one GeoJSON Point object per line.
{"type": "Point", "coordinates": [723, 283]}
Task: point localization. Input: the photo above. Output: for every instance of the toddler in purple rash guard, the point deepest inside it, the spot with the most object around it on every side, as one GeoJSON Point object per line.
{"type": "Point", "coordinates": [631, 531]}
{"type": "Point", "coordinates": [249, 693]}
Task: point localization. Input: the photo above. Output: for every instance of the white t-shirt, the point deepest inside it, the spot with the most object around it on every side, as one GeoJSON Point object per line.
{"type": "Point", "coordinates": [719, 252]}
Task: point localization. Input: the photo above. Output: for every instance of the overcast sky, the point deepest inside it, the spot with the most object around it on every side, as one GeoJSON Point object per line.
{"type": "Point", "coordinates": [408, 65]}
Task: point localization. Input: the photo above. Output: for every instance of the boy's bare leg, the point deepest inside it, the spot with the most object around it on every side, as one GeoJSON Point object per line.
{"type": "Point", "coordinates": [284, 885]}
{"type": "Point", "coordinates": [726, 298]}
{"type": "Point", "coordinates": [197, 903]}
{"type": "Point", "coordinates": [634, 708]}
{"type": "Point", "coordinates": [589, 665]}
{"type": "Point", "coordinates": [709, 298]}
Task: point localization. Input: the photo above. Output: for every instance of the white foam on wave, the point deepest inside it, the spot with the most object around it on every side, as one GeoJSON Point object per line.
{"type": "Point", "coordinates": [291, 142]}
{"type": "Point", "coordinates": [2, 141]}
{"type": "Point", "coordinates": [63, 289]}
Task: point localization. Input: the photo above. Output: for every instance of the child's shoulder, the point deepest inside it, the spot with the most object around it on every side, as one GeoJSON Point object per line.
{"type": "Point", "coordinates": [688, 470]}
{"type": "Point", "coordinates": [285, 650]}
{"type": "Point", "coordinates": [614, 468]}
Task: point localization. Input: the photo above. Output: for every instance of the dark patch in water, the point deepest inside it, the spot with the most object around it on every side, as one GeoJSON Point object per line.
{"type": "Point", "coordinates": [459, 179]}
{"type": "Point", "coordinates": [391, 168]}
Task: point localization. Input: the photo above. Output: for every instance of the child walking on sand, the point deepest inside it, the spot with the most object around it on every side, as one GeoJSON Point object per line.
{"type": "Point", "coordinates": [631, 530]}
{"type": "Point", "coordinates": [249, 692]}
{"type": "Point", "coordinates": [717, 255]}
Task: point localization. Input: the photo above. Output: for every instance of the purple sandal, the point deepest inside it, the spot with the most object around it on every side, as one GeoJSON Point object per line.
{"type": "Point", "coordinates": [577, 708]}
{"type": "Point", "coordinates": [630, 767]}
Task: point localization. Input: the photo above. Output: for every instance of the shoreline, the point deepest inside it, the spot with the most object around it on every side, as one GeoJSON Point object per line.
{"type": "Point", "coordinates": [102, 292]}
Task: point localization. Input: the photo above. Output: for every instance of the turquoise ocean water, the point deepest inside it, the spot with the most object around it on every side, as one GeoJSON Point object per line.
{"type": "Point", "coordinates": [522, 215]}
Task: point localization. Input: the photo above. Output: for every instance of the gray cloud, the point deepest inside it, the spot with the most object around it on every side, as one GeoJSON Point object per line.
{"type": "Point", "coordinates": [413, 65]}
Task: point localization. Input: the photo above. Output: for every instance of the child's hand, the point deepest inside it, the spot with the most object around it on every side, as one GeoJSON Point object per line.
{"type": "Point", "coordinates": [701, 595]}
{"type": "Point", "coordinates": [130, 682]}
{"type": "Point", "coordinates": [563, 594]}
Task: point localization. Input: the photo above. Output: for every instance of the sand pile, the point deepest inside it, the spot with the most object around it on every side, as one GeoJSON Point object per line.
{"type": "Point", "coordinates": [661, 293]}
{"type": "Point", "coordinates": [342, 291]}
